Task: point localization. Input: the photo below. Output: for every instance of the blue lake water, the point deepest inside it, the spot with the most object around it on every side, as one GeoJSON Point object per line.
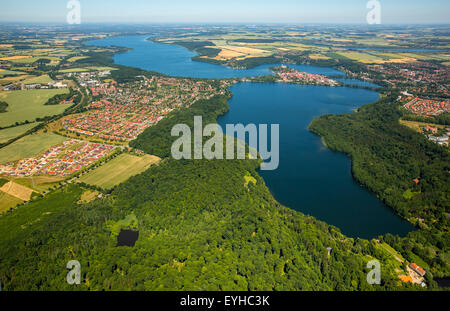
{"type": "Point", "coordinates": [177, 61]}
{"type": "Point", "coordinates": [358, 82]}
{"type": "Point", "coordinates": [311, 178]}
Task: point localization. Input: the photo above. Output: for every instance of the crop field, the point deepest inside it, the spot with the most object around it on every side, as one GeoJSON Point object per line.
{"type": "Point", "coordinates": [31, 59]}
{"type": "Point", "coordinates": [38, 183]}
{"type": "Point", "coordinates": [15, 58]}
{"type": "Point", "coordinates": [10, 72]}
{"type": "Point", "coordinates": [29, 105]}
{"type": "Point", "coordinates": [361, 57]}
{"type": "Point", "coordinates": [71, 70]}
{"type": "Point", "coordinates": [119, 170]}
{"type": "Point", "coordinates": [13, 79]}
{"type": "Point", "coordinates": [29, 146]}
{"type": "Point", "coordinates": [13, 132]}
{"type": "Point", "coordinates": [18, 191]}
{"type": "Point", "coordinates": [74, 59]}
{"type": "Point", "coordinates": [41, 79]}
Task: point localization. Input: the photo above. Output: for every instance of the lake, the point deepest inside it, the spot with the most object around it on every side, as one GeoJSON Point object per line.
{"type": "Point", "coordinates": [311, 178]}
{"type": "Point", "coordinates": [176, 61]}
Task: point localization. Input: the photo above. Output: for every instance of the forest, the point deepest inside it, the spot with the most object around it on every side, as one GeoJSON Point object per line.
{"type": "Point", "coordinates": [403, 169]}
{"type": "Point", "coordinates": [203, 225]}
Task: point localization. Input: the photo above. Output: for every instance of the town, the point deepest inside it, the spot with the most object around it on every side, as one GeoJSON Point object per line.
{"type": "Point", "coordinates": [120, 112]}
{"type": "Point", "coordinates": [289, 75]}
{"type": "Point", "coordinates": [428, 106]}
{"type": "Point", "coordinates": [62, 160]}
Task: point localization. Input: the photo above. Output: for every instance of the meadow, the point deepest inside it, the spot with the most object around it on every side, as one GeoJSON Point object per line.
{"type": "Point", "coordinates": [119, 170]}
{"type": "Point", "coordinates": [29, 146]}
{"type": "Point", "coordinates": [39, 183]}
{"type": "Point", "coordinates": [13, 132]}
{"type": "Point", "coordinates": [39, 79]}
{"type": "Point", "coordinates": [85, 69]}
{"type": "Point", "coordinates": [29, 105]}
{"type": "Point", "coordinates": [7, 201]}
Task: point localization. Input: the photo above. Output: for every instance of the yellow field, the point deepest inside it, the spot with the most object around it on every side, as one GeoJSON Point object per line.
{"type": "Point", "coordinates": [9, 80]}
{"type": "Point", "coordinates": [228, 52]}
{"type": "Point", "coordinates": [367, 58]}
{"type": "Point", "coordinates": [318, 56]}
{"type": "Point", "coordinates": [17, 191]}
{"type": "Point", "coordinates": [241, 49]}
{"type": "Point", "coordinates": [38, 183]}
{"type": "Point", "coordinates": [119, 170]}
{"type": "Point", "coordinates": [14, 57]}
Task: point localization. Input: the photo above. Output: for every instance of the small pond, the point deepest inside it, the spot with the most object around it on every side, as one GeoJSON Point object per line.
{"type": "Point", "coordinates": [127, 238]}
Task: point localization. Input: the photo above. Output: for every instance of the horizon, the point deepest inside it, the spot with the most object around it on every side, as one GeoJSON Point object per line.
{"type": "Point", "coordinates": [401, 12]}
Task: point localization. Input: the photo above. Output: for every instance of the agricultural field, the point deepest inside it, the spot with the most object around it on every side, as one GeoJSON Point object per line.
{"type": "Point", "coordinates": [4, 72]}
{"type": "Point", "coordinates": [39, 184]}
{"type": "Point", "coordinates": [13, 132]}
{"type": "Point", "coordinates": [29, 146]}
{"type": "Point", "coordinates": [119, 170]}
{"type": "Point", "coordinates": [18, 191]}
{"type": "Point", "coordinates": [76, 58]}
{"type": "Point", "coordinates": [29, 105]}
{"type": "Point", "coordinates": [13, 79]}
{"type": "Point", "coordinates": [85, 69]}
{"type": "Point", "coordinates": [7, 202]}
{"type": "Point", "coordinates": [38, 80]}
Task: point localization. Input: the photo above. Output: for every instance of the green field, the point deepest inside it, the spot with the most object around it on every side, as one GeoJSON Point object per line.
{"type": "Point", "coordinates": [10, 72]}
{"type": "Point", "coordinates": [71, 70]}
{"type": "Point", "coordinates": [76, 58]}
{"type": "Point", "coordinates": [118, 170]}
{"type": "Point", "coordinates": [31, 60]}
{"type": "Point", "coordinates": [7, 201]}
{"type": "Point", "coordinates": [40, 79]}
{"type": "Point", "coordinates": [29, 105]}
{"type": "Point", "coordinates": [29, 146]}
{"type": "Point", "coordinates": [13, 132]}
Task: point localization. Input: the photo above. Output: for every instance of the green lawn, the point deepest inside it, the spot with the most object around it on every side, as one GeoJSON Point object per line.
{"type": "Point", "coordinates": [10, 133]}
{"type": "Point", "coordinates": [29, 146]}
{"type": "Point", "coordinates": [29, 105]}
{"type": "Point", "coordinates": [118, 170]}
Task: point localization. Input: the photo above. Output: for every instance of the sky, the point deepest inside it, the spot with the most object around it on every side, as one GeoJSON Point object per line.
{"type": "Point", "coordinates": [227, 11]}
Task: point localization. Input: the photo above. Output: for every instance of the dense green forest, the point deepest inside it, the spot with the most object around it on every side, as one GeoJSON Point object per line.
{"type": "Point", "coordinates": [202, 226]}
{"type": "Point", "coordinates": [387, 158]}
